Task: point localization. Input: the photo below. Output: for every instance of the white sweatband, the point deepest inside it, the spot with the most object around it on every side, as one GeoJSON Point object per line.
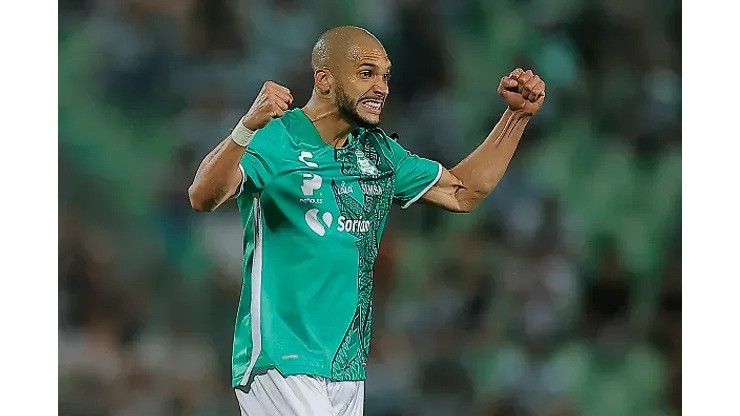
{"type": "Point", "coordinates": [242, 135]}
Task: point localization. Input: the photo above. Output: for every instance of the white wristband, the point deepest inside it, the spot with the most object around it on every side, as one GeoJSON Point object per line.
{"type": "Point", "coordinates": [242, 135]}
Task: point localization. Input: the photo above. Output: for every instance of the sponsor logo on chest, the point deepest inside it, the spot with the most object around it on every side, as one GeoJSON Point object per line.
{"type": "Point", "coordinates": [320, 223]}
{"type": "Point", "coordinates": [372, 189]}
{"type": "Point", "coordinates": [344, 189]}
{"type": "Point", "coordinates": [352, 226]}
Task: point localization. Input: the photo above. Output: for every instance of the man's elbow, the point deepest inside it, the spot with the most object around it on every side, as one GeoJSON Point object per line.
{"type": "Point", "coordinates": [467, 202]}
{"type": "Point", "coordinates": [199, 201]}
{"type": "Point", "coordinates": [464, 208]}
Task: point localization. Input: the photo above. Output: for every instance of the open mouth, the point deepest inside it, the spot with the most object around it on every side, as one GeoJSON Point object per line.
{"type": "Point", "coordinates": [372, 105]}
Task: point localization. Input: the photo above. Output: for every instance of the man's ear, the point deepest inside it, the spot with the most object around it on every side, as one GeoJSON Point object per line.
{"type": "Point", "coordinates": [324, 81]}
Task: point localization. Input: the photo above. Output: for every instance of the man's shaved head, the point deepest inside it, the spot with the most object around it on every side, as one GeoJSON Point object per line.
{"type": "Point", "coordinates": [352, 69]}
{"type": "Point", "coordinates": [342, 42]}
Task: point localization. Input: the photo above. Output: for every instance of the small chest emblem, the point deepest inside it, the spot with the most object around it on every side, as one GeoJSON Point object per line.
{"type": "Point", "coordinates": [344, 189]}
{"type": "Point", "coordinates": [366, 166]}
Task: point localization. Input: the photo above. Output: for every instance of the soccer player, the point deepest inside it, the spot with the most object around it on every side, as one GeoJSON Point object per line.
{"type": "Point", "coordinates": [314, 187]}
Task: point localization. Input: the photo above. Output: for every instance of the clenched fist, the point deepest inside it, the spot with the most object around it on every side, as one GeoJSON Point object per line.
{"type": "Point", "coordinates": [523, 91]}
{"type": "Point", "coordinates": [270, 103]}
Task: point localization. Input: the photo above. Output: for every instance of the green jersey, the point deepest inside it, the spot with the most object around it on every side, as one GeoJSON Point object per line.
{"type": "Point", "coordinates": [313, 216]}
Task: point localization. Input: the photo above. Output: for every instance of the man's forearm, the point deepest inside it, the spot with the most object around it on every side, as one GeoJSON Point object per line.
{"type": "Point", "coordinates": [482, 170]}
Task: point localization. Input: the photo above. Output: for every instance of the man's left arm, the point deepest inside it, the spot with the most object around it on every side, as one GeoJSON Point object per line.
{"type": "Point", "coordinates": [463, 187]}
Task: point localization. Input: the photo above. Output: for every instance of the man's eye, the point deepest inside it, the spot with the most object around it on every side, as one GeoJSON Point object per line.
{"type": "Point", "coordinates": [365, 74]}
{"type": "Point", "coordinates": [387, 77]}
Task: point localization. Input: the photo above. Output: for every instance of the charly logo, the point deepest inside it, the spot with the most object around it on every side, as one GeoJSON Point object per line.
{"type": "Point", "coordinates": [344, 189]}
{"type": "Point", "coordinates": [366, 166]}
{"type": "Point", "coordinates": [316, 224]}
{"type": "Point", "coordinates": [311, 183]}
{"type": "Point", "coordinates": [304, 159]}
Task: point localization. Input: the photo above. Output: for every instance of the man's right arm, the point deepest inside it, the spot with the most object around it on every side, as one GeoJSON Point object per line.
{"type": "Point", "coordinates": [219, 175]}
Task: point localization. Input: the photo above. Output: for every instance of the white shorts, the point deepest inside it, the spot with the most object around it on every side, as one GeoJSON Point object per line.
{"type": "Point", "coordinates": [272, 393]}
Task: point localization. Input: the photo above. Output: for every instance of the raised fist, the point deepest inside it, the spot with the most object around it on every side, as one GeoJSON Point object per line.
{"type": "Point", "coordinates": [270, 103]}
{"type": "Point", "coordinates": [523, 91]}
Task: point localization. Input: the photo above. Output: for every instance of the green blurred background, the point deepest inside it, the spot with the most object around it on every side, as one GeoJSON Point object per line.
{"type": "Point", "coordinates": [560, 296]}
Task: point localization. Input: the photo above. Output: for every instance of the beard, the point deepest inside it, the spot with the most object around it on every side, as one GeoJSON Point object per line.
{"type": "Point", "coordinates": [348, 109]}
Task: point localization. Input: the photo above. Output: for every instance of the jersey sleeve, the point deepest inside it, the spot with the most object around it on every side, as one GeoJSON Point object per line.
{"type": "Point", "coordinates": [414, 175]}
{"type": "Point", "coordinates": [261, 160]}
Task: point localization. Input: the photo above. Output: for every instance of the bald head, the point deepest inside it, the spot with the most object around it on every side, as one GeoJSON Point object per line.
{"type": "Point", "coordinates": [342, 43]}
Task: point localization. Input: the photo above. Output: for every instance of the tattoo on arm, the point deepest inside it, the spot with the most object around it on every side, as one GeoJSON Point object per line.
{"type": "Point", "coordinates": [206, 160]}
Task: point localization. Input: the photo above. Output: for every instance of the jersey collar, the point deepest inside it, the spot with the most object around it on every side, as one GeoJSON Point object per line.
{"type": "Point", "coordinates": [302, 126]}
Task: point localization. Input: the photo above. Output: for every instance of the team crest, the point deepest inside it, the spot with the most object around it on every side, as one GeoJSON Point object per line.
{"type": "Point", "coordinates": [366, 166]}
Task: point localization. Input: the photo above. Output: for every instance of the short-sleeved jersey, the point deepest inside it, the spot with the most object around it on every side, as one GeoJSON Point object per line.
{"type": "Point", "coordinates": [313, 216]}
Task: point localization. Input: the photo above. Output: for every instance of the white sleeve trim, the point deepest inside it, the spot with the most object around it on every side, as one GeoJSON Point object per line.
{"type": "Point", "coordinates": [241, 185]}
{"type": "Point", "coordinates": [425, 190]}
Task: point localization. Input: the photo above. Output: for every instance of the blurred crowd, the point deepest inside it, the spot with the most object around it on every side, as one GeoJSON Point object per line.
{"type": "Point", "coordinates": [561, 296]}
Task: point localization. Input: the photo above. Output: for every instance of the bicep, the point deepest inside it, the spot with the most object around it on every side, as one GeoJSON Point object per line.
{"type": "Point", "coordinates": [216, 180]}
{"type": "Point", "coordinates": [259, 164]}
{"type": "Point", "coordinates": [237, 180]}
{"type": "Point", "coordinates": [444, 193]}
{"type": "Point", "coordinates": [235, 184]}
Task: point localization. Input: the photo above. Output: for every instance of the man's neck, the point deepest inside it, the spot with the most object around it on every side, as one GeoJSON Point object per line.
{"type": "Point", "coordinates": [332, 127]}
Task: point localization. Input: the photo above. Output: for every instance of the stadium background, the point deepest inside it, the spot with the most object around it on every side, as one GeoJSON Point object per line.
{"type": "Point", "coordinates": [561, 295]}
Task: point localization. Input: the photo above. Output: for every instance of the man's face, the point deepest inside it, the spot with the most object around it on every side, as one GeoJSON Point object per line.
{"type": "Point", "coordinates": [362, 84]}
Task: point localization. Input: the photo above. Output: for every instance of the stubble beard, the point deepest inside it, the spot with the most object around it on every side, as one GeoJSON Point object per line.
{"type": "Point", "coordinates": [348, 109]}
